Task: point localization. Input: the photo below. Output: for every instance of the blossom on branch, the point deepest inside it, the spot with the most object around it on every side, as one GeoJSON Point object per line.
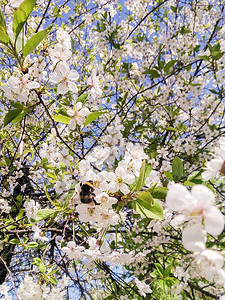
{"type": "Point", "coordinates": [64, 78]}
{"type": "Point", "coordinates": [197, 205]}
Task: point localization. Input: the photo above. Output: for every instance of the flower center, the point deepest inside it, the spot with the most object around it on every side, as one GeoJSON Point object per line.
{"type": "Point", "coordinates": [119, 180]}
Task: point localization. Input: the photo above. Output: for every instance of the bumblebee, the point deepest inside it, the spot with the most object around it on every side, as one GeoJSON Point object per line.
{"type": "Point", "coordinates": [87, 192]}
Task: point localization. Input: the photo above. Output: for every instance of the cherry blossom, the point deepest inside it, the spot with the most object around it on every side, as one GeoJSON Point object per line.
{"type": "Point", "coordinates": [78, 115]}
{"type": "Point", "coordinates": [64, 78]}
{"type": "Point", "coordinates": [119, 180]}
{"type": "Point", "coordinates": [196, 205]}
{"type": "Point", "coordinates": [210, 264]}
{"type": "Point", "coordinates": [73, 251]}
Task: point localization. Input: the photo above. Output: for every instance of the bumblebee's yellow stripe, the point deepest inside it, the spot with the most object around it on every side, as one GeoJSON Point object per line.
{"type": "Point", "coordinates": [89, 184]}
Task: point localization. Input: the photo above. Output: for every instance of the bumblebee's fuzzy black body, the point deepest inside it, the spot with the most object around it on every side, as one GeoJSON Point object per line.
{"type": "Point", "coordinates": [87, 192]}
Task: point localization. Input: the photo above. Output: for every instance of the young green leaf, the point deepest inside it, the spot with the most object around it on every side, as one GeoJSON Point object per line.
{"type": "Point", "coordinates": [35, 40]}
{"type": "Point", "coordinates": [2, 22]}
{"type": "Point", "coordinates": [159, 269]}
{"type": "Point", "coordinates": [169, 176]}
{"type": "Point", "coordinates": [70, 194]}
{"type": "Point", "coordinates": [52, 279]}
{"type": "Point", "coordinates": [43, 214]}
{"type": "Point", "coordinates": [177, 169]}
{"type": "Point", "coordinates": [93, 116]}
{"type": "Point", "coordinates": [152, 73]}
{"type": "Point", "coordinates": [32, 244]}
{"type": "Point", "coordinates": [21, 15]}
{"type": "Point", "coordinates": [83, 98]}
{"type": "Point", "coordinates": [167, 271]}
{"type": "Point", "coordinates": [4, 38]}
{"type": "Point", "coordinates": [11, 115]}
{"type": "Point", "coordinates": [147, 210]}
{"type": "Point", "coordinates": [14, 241]}
{"type": "Point", "coordinates": [61, 119]}
{"type": "Point", "coordinates": [159, 193]}
{"type": "Point", "coordinates": [204, 57]}
{"type": "Point", "coordinates": [169, 65]}
{"type": "Point", "coordinates": [141, 178]}
{"type": "Point", "coordinates": [42, 268]}
{"type": "Point", "coordinates": [146, 197]}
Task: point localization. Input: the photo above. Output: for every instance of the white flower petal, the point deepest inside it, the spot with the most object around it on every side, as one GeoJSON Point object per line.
{"type": "Point", "coordinates": [179, 198]}
{"type": "Point", "coordinates": [62, 88]}
{"type": "Point", "coordinates": [124, 189]}
{"type": "Point", "coordinates": [194, 237]}
{"type": "Point", "coordinates": [63, 68]}
{"type": "Point", "coordinates": [113, 186]}
{"type": "Point", "coordinates": [72, 87]}
{"type": "Point", "coordinates": [120, 172]}
{"type": "Point", "coordinates": [129, 178]}
{"type": "Point", "coordinates": [32, 85]}
{"type": "Point", "coordinates": [214, 221]}
{"type": "Point", "coordinates": [214, 258]}
{"type": "Point", "coordinates": [73, 75]}
{"type": "Point", "coordinates": [204, 196]}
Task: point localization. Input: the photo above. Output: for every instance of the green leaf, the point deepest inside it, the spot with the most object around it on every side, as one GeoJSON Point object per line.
{"type": "Point", "coordinates": [2, 22]}
{"type": "Point", "coordinates": [215, 53]}
{"type": "Point", "coordinates": [4, 38]}
{"type": "Point", "coordinates": [159, 193]}
{"type": "Point", "coordinates": [11, 115]}
{"type": "Point", "coordinates": [93, 116]}
{"type": "Point", "coordinates": [47, 194]}
{"type": "Point", "coordinates": [140, 181]}
{"type": "Point", "coordinates": [174, 9]}
{"type": "Point", "coordinates": [7, 160]}
{"type": "Point", "coordinates": [70, 194]}
{"type": "Point", "coordinates": [14, 241]}
{"type": "Point", "coordinates": [16, 104]}
{"type": "Point", "coordinates": [161, 64]}
{"type": "Point", "coordinates": [216, 47]}
{"type": "Point", "coordinates": [195, 175]}
{"type": "Point", "coordinates": [185, 30]}
{"type": "Point", "coordinates": [20, 214]}
{"type": "Point", "coordinates": [42, 268]}
{"type": "Point", "coordinates": [83, 98]}
{"type": "Point", "coordinates": [32, 244]}
{"type": "Point", "coordinates": [38, 262]}
{"type": "Point", "coordinates": [167, 271]}
{"type": "Point", "coordinates": [147, 210]}
{"type": "Point", "coordinates": [19, 117]}
{"type": "Point", "coordinates": [52, 279]}
{"type": "Point", "coordinates": [146, 197]}
{"type": "Point", "coordinates": [43, 214]}
{"type": "Point", "coordinates": [169, 65]}
{"type": "Point", "coordinates": [21, 15]}
{"type": "Point", "coordinates": [204, 57]}
{"type": "Point", "coordinates": [218, 56]}
{"type": "Point", "coordinates": [214, 92]}
{"type": "Point", "coordinates": [52, 175]}
{"type": "Point", "coordinates": [169, 176]}
{"type": "Point", "coordinates": [61, 119]}
{"type": "Point", "coordinates": [169, 128]}
{"type": "Point", "coordinates": [141, 178]}
{"type": "Point", "coordinates": [55, 10]}
{"type": "Point", "coordinates": [177, 169]}
{"type": "Point", "coordinates": [35, 40]}
{"type": "Point", "coordinates": [159, 269]}
{"type": "Point", "coordinates": [152, 73]}
{"type": "Point", "coordinates": [189, 183]}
